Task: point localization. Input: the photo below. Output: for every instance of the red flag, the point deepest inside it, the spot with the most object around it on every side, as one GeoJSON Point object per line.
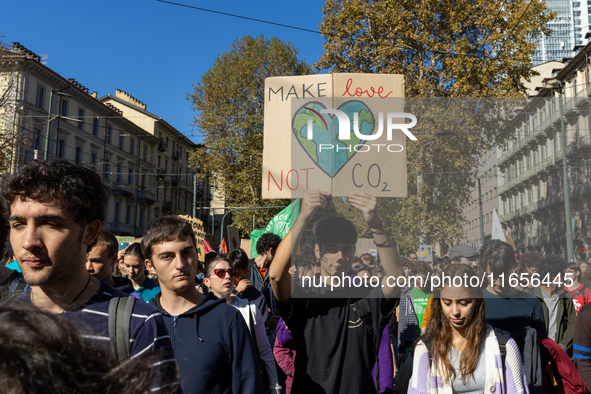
{"type": "Point", "coordinates": [223, 246]}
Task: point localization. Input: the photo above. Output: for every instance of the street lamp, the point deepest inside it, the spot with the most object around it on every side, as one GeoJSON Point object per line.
{"type": "Point", "coordinates": [555, 83]}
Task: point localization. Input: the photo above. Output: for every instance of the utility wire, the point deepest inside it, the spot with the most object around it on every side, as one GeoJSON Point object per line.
{"type": "Point", "coordinates": [239, 16]}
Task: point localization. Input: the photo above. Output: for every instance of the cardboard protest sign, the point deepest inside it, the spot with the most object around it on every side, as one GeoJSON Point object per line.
{"type": "Point", "coordinates": [339, 133]}
{"type": "Point", "coordinates": [425, 253]}
{"type": "Point", "coordinates": [124, 242]}
{"type": "Point", "coordinates": [197, 226]}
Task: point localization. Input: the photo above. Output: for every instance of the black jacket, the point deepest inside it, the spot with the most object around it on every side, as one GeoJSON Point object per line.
{"type": "Point", "coordinates": [213, 348]}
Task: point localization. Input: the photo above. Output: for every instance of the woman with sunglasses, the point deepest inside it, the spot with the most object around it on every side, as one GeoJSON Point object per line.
{"type": "Point", "coordinates": [459, 352]}
{"type": "Point", "coordinates": [219, 278]}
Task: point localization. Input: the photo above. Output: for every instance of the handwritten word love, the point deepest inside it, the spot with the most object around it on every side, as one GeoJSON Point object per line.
{"type": "Point", "coordinates": [360, 92]}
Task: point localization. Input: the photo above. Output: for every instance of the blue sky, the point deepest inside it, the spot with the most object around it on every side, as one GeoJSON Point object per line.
{"type": "Point", "coordinates": [152, 50]}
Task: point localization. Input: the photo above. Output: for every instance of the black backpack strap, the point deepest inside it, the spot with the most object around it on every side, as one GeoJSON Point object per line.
{"type": "Point", "coordinates": [502, 338]}
{"type": "Point", "coordinates": [120, 311]}
{"type": "Point", "coordinates": [364, 312]}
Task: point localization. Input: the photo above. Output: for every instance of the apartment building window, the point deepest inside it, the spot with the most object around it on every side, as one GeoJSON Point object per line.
{"type": "Point", "coordinates": [132, 146]}
{"type": "Point", "coordinates": [143, 180]}
{"type": "Point", "coordinates": [119, 172]}
{"type": "Point", "coordinates": [130, 176]}
{"type": "Point", "coordinates": [107, 170]}
{"type": "Point", "coordinates": [142, 214]}
{"type": "Point", "coordinates": [78, 155]}
{"type": "Point", "coordinates": [40, 98]}
{"type": "Point", "coordinates": [128, 214]}
{"type": "Point", "coordinates": [145, 153]}
{"type": "Point", "coordinates": [93, 160]}
{"type": "Point", "coordinates": [495, 191]}
{"type": "Point", "coordinates": [95, 126]}
{"type": "Point", "coordinates": [81, 118]}
{"type": "Point", "coordinates": [36, 138]}
{"type": "Point", "coordinates": [494, 170]}
{"type": "Point", "coordinates": [64, 108]}
{"type": "Point", "coordinates": [159, 161]}
{"type": "Point", "coordinates": [117, 211]}
{"type": "Point", "coordinates": [109, 134]}
{"type": "Point", "coordinates": [166, 166]}
{"type": "Point", "coordinates": [61, 149]}
{"type": "Point", "coordinates": [167, 141]}
{"type": "Point", "coordinates": [121, 141]}
{"type": "Point", "coordinates": [157, 193]}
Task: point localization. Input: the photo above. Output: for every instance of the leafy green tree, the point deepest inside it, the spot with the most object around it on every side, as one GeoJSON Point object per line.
{"type": "Point", "coordinates": [459, 48]}
{"type": "Point", "coordinates": [229, 100]}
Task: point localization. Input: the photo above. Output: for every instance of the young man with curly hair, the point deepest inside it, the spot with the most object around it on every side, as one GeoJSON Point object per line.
{"type": "Point", "coordinates": [55, 211]}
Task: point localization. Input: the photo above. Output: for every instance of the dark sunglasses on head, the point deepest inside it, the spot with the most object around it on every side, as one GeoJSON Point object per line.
{"type": "Point", "coordinates": [221, 273]}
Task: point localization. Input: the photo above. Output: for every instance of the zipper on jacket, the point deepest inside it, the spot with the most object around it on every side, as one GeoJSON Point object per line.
{"type": "Point", "coordinates": [173, 334]}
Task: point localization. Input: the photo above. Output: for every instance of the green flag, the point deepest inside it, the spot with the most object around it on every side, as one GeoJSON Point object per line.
{"type": "Point", "coordinates": [254, 238]}
{"type": "Point", "coordinates": [282, 222]}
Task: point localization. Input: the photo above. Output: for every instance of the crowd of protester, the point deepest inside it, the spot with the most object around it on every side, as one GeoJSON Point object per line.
{"type": "Point", "coordinates": [80, 315]}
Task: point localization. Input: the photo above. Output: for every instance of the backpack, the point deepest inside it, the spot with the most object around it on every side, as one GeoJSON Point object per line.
{"type": "Point", "coordinates": [12, 286]}
{"type": "Point", "coordinates": [559, 374]}
{"type": "Point", "coordinates": [120, 311]}
{"type": "Point", "coordinates": [581, 290]}
{"type": "Point", "coordinates": [405, 373]}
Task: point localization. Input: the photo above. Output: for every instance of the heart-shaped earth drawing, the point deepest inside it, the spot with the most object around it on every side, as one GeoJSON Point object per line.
{"type": "Point", "coordinates": [325, 131]}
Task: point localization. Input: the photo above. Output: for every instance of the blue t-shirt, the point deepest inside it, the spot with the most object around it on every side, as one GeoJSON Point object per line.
{"type": "Point", "coordinates": [148, 289]}
{"type": "Point", "coordinates": [14, 266]}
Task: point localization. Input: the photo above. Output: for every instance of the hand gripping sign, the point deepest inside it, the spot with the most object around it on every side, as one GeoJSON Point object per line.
{"type": "Point", "coordinates": [340, 133]}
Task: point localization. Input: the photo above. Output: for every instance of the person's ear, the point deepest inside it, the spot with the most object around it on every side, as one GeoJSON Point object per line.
{"type": "Point", "coordinates": [206, 282]}
{"type": "Point", "coordinates": [149, 265]}
{"type": "Point", "coordinates": [317, 251]}
{"type": "Point", "coordinates": [91, 231]}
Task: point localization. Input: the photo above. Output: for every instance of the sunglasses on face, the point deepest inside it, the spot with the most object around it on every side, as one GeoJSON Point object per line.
{"type": "Point", "coordinates": [356, 267]}
{"type": "Point", "coordinates": [221, 273]}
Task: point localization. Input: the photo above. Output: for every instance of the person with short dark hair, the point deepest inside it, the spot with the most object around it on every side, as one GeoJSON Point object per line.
{"type": "Point", "coordinates": [506, 307]}
{"type": "Point", "coordinates": [101, 260]}
{"type": "Point", "coordinates": [244, 289]}
{"type": "Point", "coordinates": [212, 344]}
{"type": "Point", "coordinates": [55, 214]}
{"type": "Point", "coordinates": [580, 294]}
{"type": "Point", "coordinates": [530, 261]}
{"type": "Point", "coordinates": [134, 264]}
{"type": "Point", "coordinates": [331, 338]}
{"type": "Point", "coordinates": [464, 254]}
{"type": "Point", "coordinates": [412, 256]}
{"type": "Point", "coordinates": [259, 266]}
{"type": "Point", "coordinates": [45, 353]}
{"type": "Point", "coordinates": [557, 305]}
{"type": "Point", "coordinates": [368, 259]}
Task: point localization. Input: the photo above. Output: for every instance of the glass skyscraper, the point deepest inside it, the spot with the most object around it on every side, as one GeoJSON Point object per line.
{"type": "Point", "coordinates": [568, 29]}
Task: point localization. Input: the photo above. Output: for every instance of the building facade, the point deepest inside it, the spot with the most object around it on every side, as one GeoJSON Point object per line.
{"type": "Point", "coordinates": [143, 160]}
{"type": "Point", "coordinates": [487, 195]}
{"type": "Point", "coordinates": [531, 191]}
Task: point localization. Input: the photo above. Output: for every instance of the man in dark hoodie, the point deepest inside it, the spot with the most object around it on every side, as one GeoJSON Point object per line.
{"type": "Point", "coordinates": [212, 345]}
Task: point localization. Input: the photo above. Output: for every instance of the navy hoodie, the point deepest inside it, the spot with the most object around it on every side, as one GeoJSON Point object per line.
{"type": "Point", "coordinates": [213, 349]}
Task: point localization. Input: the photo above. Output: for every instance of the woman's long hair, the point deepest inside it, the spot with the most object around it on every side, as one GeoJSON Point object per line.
{"type": "Point", "coordinates": [440, 333]}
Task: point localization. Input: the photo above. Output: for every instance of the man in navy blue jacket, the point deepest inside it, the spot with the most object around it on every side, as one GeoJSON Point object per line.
{"type": "Point", "coordinates": [211, 342]}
